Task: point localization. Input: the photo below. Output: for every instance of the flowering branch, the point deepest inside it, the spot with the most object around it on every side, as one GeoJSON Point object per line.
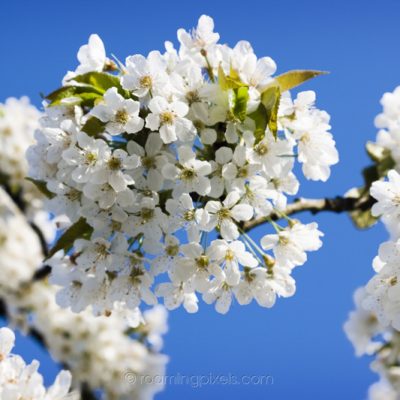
{"type": "Point", "coordinates": [336, 204]}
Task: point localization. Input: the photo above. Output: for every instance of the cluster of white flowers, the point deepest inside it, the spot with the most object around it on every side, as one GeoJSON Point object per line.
{"type": "Point", "coordinates": [18, 121]}
{"type": "Point", "coordinates": [21, 381]}
{"type": "Point", "coordinates": [388, 123]}
{"type": "Point", "coordinates": [151, 163]}
{"type": "Point", "coordinates": [374, 327]}
{"type": "Point", "coordinates": [371, 337]}
{"type": "Point", "coordinates": [105, 353]}
{"type": "Point", "coordinates": [20, 251]}
{"type": "Point", "coordinates": [98, 350]}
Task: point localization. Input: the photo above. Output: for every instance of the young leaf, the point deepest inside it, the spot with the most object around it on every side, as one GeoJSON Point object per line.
{"type": "Point", "coordinates": [101, 81]}
{"type": "Point", "coordinates": [260, 119]}
{"type": "Point", "coordinates": [363, 219]}
{"type": "Point", "coordinates": [270, 99]}
{"type": "Point", "coordinates": [84, 93]}
{"type": "Point", "coordinates": [387, 163]}
{"type": "Point", "coordinates": [81, 229]}
{"type": "Point", "coordinates": [291, 79]}
{"type": "Point", "coordinates": [273, 116]}
{"type": "Point", "coordinates": [375, 152]}
{"type": "Point", "coordinates": [93, 126]}
{"type": "Point", "coordinates": [231, 81]}
{"type": "Point", "coordinates": [240, 103]}
{"type": "Point", "coordinates": [42, 187]}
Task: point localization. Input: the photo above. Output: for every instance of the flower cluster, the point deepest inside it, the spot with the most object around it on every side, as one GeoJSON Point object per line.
{"type": "Point", "coordinates": [20, 250]}
{"type": "Point", "coordinates": [374, 327]}
{"type": "Point", "coordinates": [388, 123]}
{"type": "Point", "coordinates": [98, 350]}
{"type": "Point", "coordinates": [370, 336]}
{"type": "Point", "coordinates": [18, 121]}
{"type": "Point", "coordinates": [21, 381]}
{"type": "Point", "coordinates": [160, 165]}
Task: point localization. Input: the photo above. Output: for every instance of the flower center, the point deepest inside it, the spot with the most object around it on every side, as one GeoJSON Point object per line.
{"type": "Point", "coordinates": [261, 149]}
{"type": "Point", "coordinates": [188, 215]}
{"type": "Point", "coordinates": [147, 214]}
{"type": "Point", "coordinates": [6, 131]}
{"type": "Point", "coordinates": [202, 261]}
{"type": "Point", "coordinates": [146, 82]}
{"type": "Point", "coordinates": [187, 174]}
{"type": "Point", "coordinates": [276, 182]}
{"type": "Point", "coordinates": [102, 250]}
{"type": "Point", "coordinates": [90, 158]}
{"type": "Point", "coordinates": [230, 255]}
{"type": "Point", "coordinates": [3, 239]}
{"type": "Point", "coordinates": [243, 172]}
{"type": "Point", "coordinates": [223, 213]}
{"type": "Point", "coordinates": [122, 117]}
{"type": "Point", "coordinates": [172, 251]}
{"type": "Point", "coordinates": [148, 162]}
{"type": "Point", "coordinates": [192, 97]}
{"type": "Point", "coordinates": [114, 163]}
{"type": "Point", "coordinates": [305, 138]}
{"type": "Point", "coordinates": [167, 118]}
{"type": "Point", "coordinates": [73, 195]}
{"type": "Point", "coordinates": [116, 226]}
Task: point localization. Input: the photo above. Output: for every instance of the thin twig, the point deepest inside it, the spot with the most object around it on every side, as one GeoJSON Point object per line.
{"type": "Point", "coordinates": [314, 206]}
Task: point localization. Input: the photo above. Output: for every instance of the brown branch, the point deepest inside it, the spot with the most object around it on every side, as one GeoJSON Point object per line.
{"type": "Point", "coordinates": [33, 332]}
{"type": "Point", "coordinates": [314, 206]}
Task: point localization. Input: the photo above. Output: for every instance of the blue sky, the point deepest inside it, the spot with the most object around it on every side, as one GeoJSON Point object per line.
{"type": "Point", "coordinates": [300, 341]}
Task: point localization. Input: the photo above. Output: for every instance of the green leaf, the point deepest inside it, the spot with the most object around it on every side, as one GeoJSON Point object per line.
{"type": "Point", "coordinates": [378, 170]}
{"type": "Point", "coordinates": [42, 187]}
{"type": "Point", "coordinates": [81, 229]}
{"type": "Point", "coordinates": [240, 103]}
{"type": "Point", "coordinates": [386, 164]}
{"type": "Point", "coordinates": [231, 81]}
{"type": "Point", "coordinates": [102, 82]}
{"type": "Point", "coordinates": [291, 79]}
{"type": "Point", "coordinates": [87, 89]}
{"type": "Point", "coordinates": [259, 117]}
{"type": "Point", "coordinates": [273, 117]}
{"type": "Point", "coordinates": [85, 93]}
{"type": "Point", "coordinates": [93, 126]}
{"type": "Point", "coordinates": [270, 99]}
{"type": "Point", "coordinates": [363, 219]}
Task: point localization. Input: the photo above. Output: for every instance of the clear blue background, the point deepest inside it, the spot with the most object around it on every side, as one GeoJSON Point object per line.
{"type": "Point", "coordinates": [300, 341]}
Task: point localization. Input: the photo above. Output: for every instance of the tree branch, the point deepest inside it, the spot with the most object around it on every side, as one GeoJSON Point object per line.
{"type": "Point", "coordinates": [314, 206]}
{"type": "Point", "coordinates": [33, 332]}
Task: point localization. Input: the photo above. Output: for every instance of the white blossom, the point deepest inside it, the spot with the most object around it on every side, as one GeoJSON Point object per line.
{"type": "Point", "coordinates": [19, 380]}
{"type": "Point", "coordinates": [170, 143]}
{"type": "Point", "coordinates": [119, 114]}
